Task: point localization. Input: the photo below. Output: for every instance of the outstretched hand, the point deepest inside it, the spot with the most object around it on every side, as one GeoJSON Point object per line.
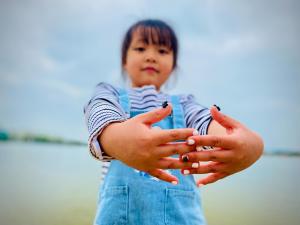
{"type": "Point", "coordinates": [231, 152]}
{"type": "Point", "coordinates": [137, 144]}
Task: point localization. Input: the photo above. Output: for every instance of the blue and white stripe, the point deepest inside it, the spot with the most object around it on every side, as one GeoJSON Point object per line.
{"type": "Point", "coordinates": [104, 108]}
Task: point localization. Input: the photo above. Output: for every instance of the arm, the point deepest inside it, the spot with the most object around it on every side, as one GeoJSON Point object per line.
{"type": "Point", "coordinates": [133, 141]}
{"type": "Point", "coordinates": [101, 110]}
{"type": "Point", "coordinates": [136, 144]}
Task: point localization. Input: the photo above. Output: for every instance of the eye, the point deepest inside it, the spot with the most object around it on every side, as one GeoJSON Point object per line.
{"type": "Point", "coordinates": [163, 51]}
{"type": "Point", "coordinates": [139, 49]}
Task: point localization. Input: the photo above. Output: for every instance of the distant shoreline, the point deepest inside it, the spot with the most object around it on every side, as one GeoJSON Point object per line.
{"type": "Point", "coordinates": [282, 153]}
{"type": "Point", "coordinates": [28, 137]}
{"type": "Point", "coordinates": [63, 142]}
{"type": "Point", "coordinates": [34, 138]}
{"type": "Point", "coordinates": [79, 143]}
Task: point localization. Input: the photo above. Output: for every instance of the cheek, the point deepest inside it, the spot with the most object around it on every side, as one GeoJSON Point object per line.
{"type": "Point", "coordinates": [170, 62]}
{"type": "Point", "coordinates": [167, 72]}
{"type": "Point", "coordinates": [132, 64]}
{"type": "Point", "coordinates": [129, 66]}
{"type": "Point", "coordinates": [169, 66]}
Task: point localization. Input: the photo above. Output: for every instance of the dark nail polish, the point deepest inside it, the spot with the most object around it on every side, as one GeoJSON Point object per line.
{"type": "Point", "coordinates": [185, 158]}
{"type": "Point", "coordinates": [165, 104]}
{"type": "Point", "coordinates": [219, 109]}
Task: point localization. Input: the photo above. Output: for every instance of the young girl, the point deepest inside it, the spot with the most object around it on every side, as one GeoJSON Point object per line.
{"type": "Point", "coordinates": [151, 142]}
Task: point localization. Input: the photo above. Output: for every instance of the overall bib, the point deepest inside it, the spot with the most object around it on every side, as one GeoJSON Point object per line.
{"type": "Point", "coordinates": [129, 196]}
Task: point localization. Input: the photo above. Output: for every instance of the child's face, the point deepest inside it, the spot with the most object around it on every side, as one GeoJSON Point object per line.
{"type": "Point", "coordinates": [148, 64]}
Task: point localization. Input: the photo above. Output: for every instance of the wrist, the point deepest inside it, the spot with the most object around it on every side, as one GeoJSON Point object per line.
{"type": "Point", "coordinates": [107, 138]}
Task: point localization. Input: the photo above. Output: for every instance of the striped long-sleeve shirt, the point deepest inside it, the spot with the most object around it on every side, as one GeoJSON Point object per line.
{"type": "Point", "coordinates": [104, 108]}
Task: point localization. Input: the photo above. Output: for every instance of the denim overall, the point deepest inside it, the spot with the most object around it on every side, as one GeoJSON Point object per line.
{"type": "Point", "coordinates": [129, 196]}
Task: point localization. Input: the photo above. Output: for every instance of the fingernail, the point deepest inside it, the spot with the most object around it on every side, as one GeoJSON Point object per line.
{"type": "Point", "coordinates": [185, 158]}
{"type": "Point", "coordinates": [174, 182]}
{"type": "Point", "coordinates": [218, 108]}
{"type": "Point", "coordinates": [195, 165]}
{"type": "Point", "coordinates": [200, 185]}
{"type": "Point", "coordinates": [185, 172]}
{"type": "Point", "coordinates": [195, 133]}
{"type": "Point", "coordinates": [206, 148]}
{"type": "Point", "coordinates": [156, 128]}
{"type": "Point", "coordinates": [164, 104]}
{"type": "Point", "coordinates": [199, 148]}
{"type": "Point", "coordinates": [190, 141]}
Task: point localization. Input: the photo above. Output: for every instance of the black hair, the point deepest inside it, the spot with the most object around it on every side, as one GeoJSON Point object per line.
{"type": "Point", "coordinates": [152, 31]}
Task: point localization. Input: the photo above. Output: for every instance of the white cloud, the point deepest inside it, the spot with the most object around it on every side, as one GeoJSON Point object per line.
{"type": "Point", "coordinates": [64, 46]}
{"type": "Point", "coordinates": [226, 46]}
{"type": "Point", "coordinates": [241, 44]}
{"type": "Point", "coordinates": [62, 87]}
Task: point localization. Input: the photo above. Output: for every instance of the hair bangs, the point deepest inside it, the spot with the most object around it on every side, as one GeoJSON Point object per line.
{"type": "Point", "coordinates": [155, 35]}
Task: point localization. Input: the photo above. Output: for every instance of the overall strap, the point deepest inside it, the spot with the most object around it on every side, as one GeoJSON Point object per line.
{"type": "Point", "coordinates": [124, 101]}
{"type": "Point", "coordinates": [178, 115]}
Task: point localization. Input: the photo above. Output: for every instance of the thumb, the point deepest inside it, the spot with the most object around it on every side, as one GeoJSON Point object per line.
{"type": "Point", "coordinates": [155, 115]}
{"type": "Point", "coordinates": [225, 121]}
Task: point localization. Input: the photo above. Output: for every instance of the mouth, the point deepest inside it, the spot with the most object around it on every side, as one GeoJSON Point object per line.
{"type": "Point", "coordinates": [150, 69]}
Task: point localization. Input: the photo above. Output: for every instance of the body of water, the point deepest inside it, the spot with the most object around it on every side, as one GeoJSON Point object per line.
{"type": "Point", "coordinates": [57, 185]}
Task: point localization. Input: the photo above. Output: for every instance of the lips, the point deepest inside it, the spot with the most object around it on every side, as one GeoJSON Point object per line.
{"type": "Point", "coordinates": [150, 69]}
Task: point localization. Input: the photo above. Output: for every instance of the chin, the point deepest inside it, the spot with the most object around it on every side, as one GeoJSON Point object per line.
{"type": "Point", "coordinates": [148, 82]}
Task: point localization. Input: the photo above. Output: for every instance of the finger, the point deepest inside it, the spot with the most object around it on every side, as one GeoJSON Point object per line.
{"type": "Point", "coordinates": [174, 148]}
{"type": "Point", "coordinates": [211, 179]}
{"type": "Point", "coordinates": [161, 175]}
{"type": "Point", "coordinates": [171, 135]}
{"type": "Point", "coordinates": [173, 163]}
{"type": "Point", "coordinates": [212, 155]}
{"type": "Point", "coordinates": [155, 115]}
{"type": "Point", "coordinates": [223, 119]}
{"type": "Point", "coordinates": [223, 141]}
{"type": "Point", "coordinates": [212, 167]}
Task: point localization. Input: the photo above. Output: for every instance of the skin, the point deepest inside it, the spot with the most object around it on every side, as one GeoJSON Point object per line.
{"type": "Point", "coordinates": [147, 149]}
{"type": "Point", "coordinates": [235, 147]}
{"type": "Point", "coordinates": [148, 64]}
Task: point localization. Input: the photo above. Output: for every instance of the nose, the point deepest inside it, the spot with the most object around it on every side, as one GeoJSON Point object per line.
{"type": "Point", "coordinates": [150, 56]}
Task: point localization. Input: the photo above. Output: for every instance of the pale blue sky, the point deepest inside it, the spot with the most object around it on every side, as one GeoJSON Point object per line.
{"type": "Point", "coordinates": [241, 55]}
